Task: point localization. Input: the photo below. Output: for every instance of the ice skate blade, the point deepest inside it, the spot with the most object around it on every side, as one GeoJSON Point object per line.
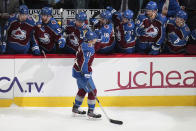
{"type": "Point", "coordinates": [93, 119]}
{"type": "Point", "coordinates": [78, 115]}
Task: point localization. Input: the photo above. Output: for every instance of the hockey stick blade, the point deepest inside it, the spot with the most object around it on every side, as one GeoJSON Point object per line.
{"type": "Point", "coordinates": [116, 122]}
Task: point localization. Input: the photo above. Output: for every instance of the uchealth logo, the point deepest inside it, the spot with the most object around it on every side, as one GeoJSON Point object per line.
{"type": "Point", "coordinates": [171, 79]}
{"type": "Point", "coordinates": [17, 84]}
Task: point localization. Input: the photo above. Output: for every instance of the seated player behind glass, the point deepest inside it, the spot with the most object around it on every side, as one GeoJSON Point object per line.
{"type": "Point", "coordinates": [49, 35]}
{"type": "Point", "coordinates": [150, 30]}
{"type": "Point", "coordinates": [75, 32]}
{"type": "Point", "coordinates": [18, 34]}
{"type": "Point", "coordinates": [82, 72]}
{"type": "Point", "coordinates": [105, 31]}
{"type": "Point", "coordinates": [178, 34]}
{"type": "Point", "coordinates": [124, 30]}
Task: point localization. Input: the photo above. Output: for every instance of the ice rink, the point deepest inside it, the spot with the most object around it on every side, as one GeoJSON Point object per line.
{"type": "Point", "coordinates": [134, 118]}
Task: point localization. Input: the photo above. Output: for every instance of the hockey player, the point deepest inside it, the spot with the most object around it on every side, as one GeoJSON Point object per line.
{"type": "Point", "coordinates": [75, 32]}
{"type": "Point", "coordinates": [177, 34]}
{"type": "Point", "coordinates": [168, 8]}
{"type": "Point", "coordinates": [18, 37]}
{"type": "Point", "coordinates": [124, 30]}
{"type": "Point", "coordinates": [150, 30]}
{"type": "Point", "coordinates": [49, 36]}
{"type": "Point", "coordinates": [82, 72]}
{"type": "Point", "coordinates": [105, 31]}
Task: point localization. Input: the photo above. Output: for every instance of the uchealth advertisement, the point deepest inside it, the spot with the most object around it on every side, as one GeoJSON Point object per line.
{"type": "Point", "coordinates": [117, 80]}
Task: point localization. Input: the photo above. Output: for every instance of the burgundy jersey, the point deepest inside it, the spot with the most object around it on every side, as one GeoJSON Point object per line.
{"type": "Point", "coordinates": [153, 31]}
{"type": "Point", "coordinates": [182, 34]}
{"type": "Point", "coordinates": [19, 32]}
{"type": "Point", "coordinates": [75, 35]}
{"type": "Point", "coordinates": [48, 35]}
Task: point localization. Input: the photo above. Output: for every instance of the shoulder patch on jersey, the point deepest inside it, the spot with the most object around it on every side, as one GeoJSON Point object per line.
{"type": "Point", "coordinates": [53, 22]}
{"type": "Point", "coordinates": [138, 22]}
{"type": "Point", "coordinates": [106, 26]}
{"type": "Point", "coordinates": [30, 18]}
{"type": "Point", "coordinates": [129, 24]}
{"type": "Point", "coordinates": [187, 29]}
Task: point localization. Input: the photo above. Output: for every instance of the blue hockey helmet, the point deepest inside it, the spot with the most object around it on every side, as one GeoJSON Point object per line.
{"type": "Point", "coordinates": [90, 35]}
{"type": "Point", "coordinates": [151, 6]}
{"type": "Point", "coordinates": [106, 15]}
{"type": "Point", "coordinates": [23, 9]}
{"type": "Point", "coordinates": [128, 14]}
{"type": "Point", "coordinates": [46, 11]}
{"type": "Point", "coordinates": [182, 14]}
{"type": "Point", "coordinates": [81, 16]}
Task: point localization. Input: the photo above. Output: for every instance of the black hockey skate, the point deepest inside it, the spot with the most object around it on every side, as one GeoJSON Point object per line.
{"type": "Point", "coordinates": [91, 114]}
{"type": "Point", "coordinates": [76, 111]}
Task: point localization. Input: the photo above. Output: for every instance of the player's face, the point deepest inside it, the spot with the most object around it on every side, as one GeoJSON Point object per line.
{"type": "Point", "coordinates": [151, 13]}
{"type": "Point", "coordinates": [23, 17]}
{"type": "Point", "coordinates": [179, 21]}
{"type": "Point", "coordinates": [125, 20]}
{"type": "Point", "coordinates": [44, 18]}
{"type": "Point", "coordinates": [79, 23]}
{"type": "Point", "coordinates": [103, 21]}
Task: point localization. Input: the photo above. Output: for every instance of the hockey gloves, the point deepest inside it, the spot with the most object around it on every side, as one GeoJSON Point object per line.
{"type": "Point", "coordinates": [35, 50]}
{"type": "Point", "coordinates": [61, 42]}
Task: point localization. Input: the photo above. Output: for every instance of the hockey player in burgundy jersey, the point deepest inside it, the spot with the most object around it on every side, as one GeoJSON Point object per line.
{"type": "Point", "coordinates": [18, 34]}
{"type": "Point", "coordinates": [105, 31]}
{"type": "Point", "coordinates": [82, 72]}
{"type": "Point", "coordinates": [150, 30]}
{"type": "Point", "coordinates": [49, 36]}
{"type": "Point", "coordinates": [75, 31]}
{"type": "Point", "coordinates": [178, 34]}
{"type": "Point", "coordinates": [124, 30]}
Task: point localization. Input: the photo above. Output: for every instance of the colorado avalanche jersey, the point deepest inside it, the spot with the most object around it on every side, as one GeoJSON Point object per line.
{"type": "Point", "coordinates": [124, 33]}
{"type": "Point", "coordinates": [177, 37]}
{"type": "Point", "coordinates": [19, 35]}
{"type": "Point", "coordinates": [83, 60]}
{"type": "Point", "coordinates": [48, 35]}
{"type": "Point", "coordinates": [150, 33]}
{"type": "Point", "coordinates": [105, 34]}
{"type": "Point", "coordinates": [75, 36]}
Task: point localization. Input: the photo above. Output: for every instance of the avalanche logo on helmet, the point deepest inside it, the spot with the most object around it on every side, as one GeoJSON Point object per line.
{"type": "Point", "coordinates": [19, 34]}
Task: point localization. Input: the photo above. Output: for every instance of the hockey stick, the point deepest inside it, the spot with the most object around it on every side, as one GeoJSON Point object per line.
{"type": "Point", "coordinates": [109, 119]}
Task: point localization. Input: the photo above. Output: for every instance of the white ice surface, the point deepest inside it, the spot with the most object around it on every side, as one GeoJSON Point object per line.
{"type": "Point", "coordinates": [134, 118]}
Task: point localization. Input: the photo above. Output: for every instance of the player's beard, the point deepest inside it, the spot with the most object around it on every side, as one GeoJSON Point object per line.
{"type": "Point", "coordinates": [151, 15]}
{"type": "Point", "coordinates": [23, 17]}
{"type": "Point", "coordinates": [45, 19]}
{"type": "Point", "coordinates": [179, 22]}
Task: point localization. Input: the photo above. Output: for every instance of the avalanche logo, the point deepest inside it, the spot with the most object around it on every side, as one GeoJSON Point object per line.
{"type": "Point", "coordinates": [74, 39]}
{"type": "Point", "coordinates": [151, 31]}
{"type": "Point", "coordinates": [45, 39]}
{"type": "Point", "coordinates": [19, 34]}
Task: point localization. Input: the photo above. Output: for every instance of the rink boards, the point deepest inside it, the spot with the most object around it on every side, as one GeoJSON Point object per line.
{"type": "Point", "coordinates": [121, 80]}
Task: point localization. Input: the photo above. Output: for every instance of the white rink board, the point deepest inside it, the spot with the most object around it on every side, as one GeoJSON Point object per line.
{"type": "Point", "coordinates": [6, 77]}
{"type": "Point", "coordinates": [55, 75]}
